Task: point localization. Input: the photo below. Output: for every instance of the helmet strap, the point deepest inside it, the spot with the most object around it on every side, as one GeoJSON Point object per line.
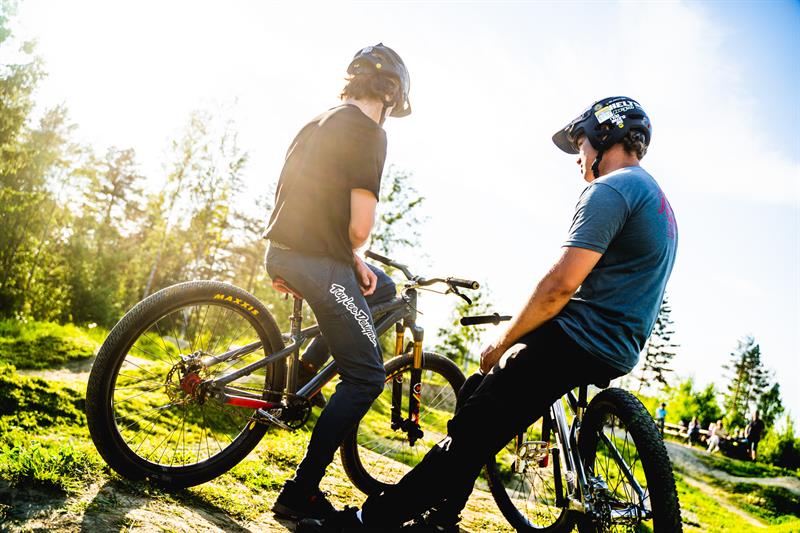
{"type": "Point", "coordinates": [383, 113]}
{"type": "Point", "coordinates": [596, 164]}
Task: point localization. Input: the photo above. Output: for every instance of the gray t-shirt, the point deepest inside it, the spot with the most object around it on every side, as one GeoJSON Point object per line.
{"type": "Point", "coordinates": [625, 216]}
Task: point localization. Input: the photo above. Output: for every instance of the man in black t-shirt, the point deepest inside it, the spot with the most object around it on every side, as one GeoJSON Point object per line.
{"type": "Point", "coordinates": [324, 211]}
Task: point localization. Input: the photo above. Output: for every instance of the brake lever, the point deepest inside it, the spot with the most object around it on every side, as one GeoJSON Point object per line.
{"type": "Point", "coordinates": [464, 296]}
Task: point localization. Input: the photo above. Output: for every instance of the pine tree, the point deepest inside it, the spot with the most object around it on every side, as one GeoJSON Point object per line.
{"type": "Point", "coordinates": [769, 405]}
{"type": "Point", "coordinates": [749, 378]}
{"type": "Point", "coordinates": [660, 349]}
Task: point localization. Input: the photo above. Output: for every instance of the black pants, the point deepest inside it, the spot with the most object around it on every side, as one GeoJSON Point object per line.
{"type": "Point", "coordinates": [533, 374]}
{"type": "Point", "coordinates": [331, 289]}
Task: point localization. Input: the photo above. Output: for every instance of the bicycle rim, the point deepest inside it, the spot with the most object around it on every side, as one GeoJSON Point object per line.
{"type": "Point", "coordinates": [627, 467]}
{"type": "Point", "coordinates": [159, 417]}
{"type": "Point", "coordinates": [383, 455]}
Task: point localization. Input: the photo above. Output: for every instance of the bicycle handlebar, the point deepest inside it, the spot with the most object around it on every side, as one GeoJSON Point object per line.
{"type": "Point", "coordinates": [386, 261]}
{"type": "Point", "coordinates": [495, 319]}
{"type": "Point", "coordinates": [464, 283]}
{"type": "Point", "coordinates": [372, 255]}
{"type": "Point", "coordinates": [453, 282]}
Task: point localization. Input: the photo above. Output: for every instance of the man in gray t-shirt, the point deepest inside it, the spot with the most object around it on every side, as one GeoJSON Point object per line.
{"type": "Point", "coordinates": [586, 322]}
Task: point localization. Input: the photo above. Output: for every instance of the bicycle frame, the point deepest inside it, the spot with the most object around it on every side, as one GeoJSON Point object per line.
{"type": "Point", "coordinates": [579, 493]}
{"type": "Point", "coordinates": [400, 312]}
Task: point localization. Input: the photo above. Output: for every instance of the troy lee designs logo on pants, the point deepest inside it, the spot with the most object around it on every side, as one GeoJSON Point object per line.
{"type": "Point", "coordinates": [361, 317]}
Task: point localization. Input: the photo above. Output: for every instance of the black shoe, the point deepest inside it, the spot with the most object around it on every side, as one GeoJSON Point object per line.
{"type": "Point", "coordinates": [344, 521]}
{"type": "Point", "coordinates": [295, 504]}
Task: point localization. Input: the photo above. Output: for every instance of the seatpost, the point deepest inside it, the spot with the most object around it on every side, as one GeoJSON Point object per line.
{"type": "Point", "coordinates": [296, 321]}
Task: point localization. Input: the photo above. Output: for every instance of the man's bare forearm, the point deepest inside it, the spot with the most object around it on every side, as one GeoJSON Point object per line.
{"type": "Point", "coordinates": [546, 301]}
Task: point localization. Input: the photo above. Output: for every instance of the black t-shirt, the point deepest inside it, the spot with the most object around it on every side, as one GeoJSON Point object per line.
{"type": "Point", "coordinates": [340, 150]}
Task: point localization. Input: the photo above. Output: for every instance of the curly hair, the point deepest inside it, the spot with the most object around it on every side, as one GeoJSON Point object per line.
{"type": "Point", "coordinates": [371, 87]}
{"type": "Point", "coordinates": [635, 143]}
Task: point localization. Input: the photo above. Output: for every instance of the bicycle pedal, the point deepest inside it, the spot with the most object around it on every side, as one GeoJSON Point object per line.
{"type": "Point", "coordinates": [266, 416]}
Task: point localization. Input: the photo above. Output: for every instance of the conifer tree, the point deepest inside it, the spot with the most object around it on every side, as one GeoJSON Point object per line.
{"type": "Point", "coordinates": [660, 349]}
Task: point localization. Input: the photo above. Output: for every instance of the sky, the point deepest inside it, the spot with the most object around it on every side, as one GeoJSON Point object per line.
{"type": "Point", "coordinates": [491, 83]}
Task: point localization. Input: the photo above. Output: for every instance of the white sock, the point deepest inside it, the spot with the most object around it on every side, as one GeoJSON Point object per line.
{"type": "Point", "coordinates": [358, 515]}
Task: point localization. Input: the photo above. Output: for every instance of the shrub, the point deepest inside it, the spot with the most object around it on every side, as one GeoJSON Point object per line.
{"type": "Point", "coordinates": [781, 448]}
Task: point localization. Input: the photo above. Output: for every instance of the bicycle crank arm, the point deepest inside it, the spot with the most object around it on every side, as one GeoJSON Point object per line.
{"type": "Point", "coordinates": [266, 416]}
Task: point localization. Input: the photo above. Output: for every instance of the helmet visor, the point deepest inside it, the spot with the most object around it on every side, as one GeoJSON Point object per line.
{"type": "Point", "coordinates": [566, 137]}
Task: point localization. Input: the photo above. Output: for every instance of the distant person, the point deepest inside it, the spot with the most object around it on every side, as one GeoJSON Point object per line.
{"type": "Point", "coordinates": [661, 418]}
{"type": "Point", "coordinates": [715, 434]}
{"type": "Point", "coordinates": [693, 432]}
{"type": "Point", "coordinates": [753, 433]}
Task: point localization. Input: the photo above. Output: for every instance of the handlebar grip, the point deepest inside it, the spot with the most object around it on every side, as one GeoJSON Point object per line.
{"type": "Point", "coordinates": [495, 319]}
{"type": "Point", "coordinates": [464, 283]}
{"type": "Point", "coordinates": [377, 257]}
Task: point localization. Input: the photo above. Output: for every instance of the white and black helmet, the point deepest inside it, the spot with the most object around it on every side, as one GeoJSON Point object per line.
{"type": "Point", "coordinates": [604, 123]}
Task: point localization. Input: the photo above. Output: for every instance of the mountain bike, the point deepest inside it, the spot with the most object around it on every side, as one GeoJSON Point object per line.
{"type": "Point", "coordinates": [607, 470]}
{"type": "Point", "coordinates": [190, 379]}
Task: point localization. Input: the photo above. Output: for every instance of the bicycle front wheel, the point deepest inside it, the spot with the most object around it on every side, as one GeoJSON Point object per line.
{"type": "Point", "coordinates": [376, 454]}
{"type": "Point", "coordinates": [147, 411]}
{"type": "Point", "coordinates": [523, 481]}
{"type": "Point", "coordinates": [627, 467]}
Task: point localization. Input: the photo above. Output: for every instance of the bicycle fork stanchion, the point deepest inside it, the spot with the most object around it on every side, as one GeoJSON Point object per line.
{"type": "Point", "coordinates": [397, 380]}
{"type": "Point", "coordinates": [415, 390]}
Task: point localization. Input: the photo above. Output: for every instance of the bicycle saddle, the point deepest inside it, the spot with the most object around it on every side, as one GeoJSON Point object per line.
{"type": "Point", "coordinates": [281, 285]}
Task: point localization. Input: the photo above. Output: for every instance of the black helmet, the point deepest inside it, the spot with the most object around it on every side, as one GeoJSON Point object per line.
{"type": "Point", "coordinates": [381, 58]}
{"type": "Point", "coordinates": [621, 113]}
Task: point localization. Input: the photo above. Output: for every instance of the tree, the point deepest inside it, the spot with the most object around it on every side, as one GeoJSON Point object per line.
{"type": "Point", "coordinates": [460, 343]}
{"type": "Point", "coordinates": [34, 166]}
{"type": "Point", "coordinates": [769, 405]}
{"type": "Point", "coordinates": [660, 349]}
{"type": "Point", "coordinates": [748, 380]}
{"type": "Point", "coordinates": [398, 214]}
{"type": "Point", "coordinates": [684, 403]}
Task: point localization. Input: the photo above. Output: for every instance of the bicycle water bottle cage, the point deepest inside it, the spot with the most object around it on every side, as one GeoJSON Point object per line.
{"type": "Point", "coordinates": [282, 286]}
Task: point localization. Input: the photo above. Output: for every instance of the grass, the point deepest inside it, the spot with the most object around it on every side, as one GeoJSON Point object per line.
{"type": "Point", "coordinates": [60, 456]}
{"type": "Point", "coordinates": [743, 468]}
{"type": "Point", "coordinates": [66, 468]}
{"type": "Point", "coordinates": [774, 505]}
{"type": "Point", "coordinates": [36, 345]}
{"type": "Point", "coordinates": [44, 445]}
{"type": "Point", "coordinates": [33, 403]}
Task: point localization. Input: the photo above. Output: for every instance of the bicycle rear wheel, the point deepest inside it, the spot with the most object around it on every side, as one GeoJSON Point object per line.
{"type": "Point", "coordinates": [375, 455]}
{"type": "Point", "coordinates": [145, 408]}
{"type": "Point", "coordinates": [627, 466]}
{"type": "Point", "coordinates": [522, 480]}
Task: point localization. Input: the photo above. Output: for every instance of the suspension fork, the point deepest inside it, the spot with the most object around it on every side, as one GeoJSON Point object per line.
{"type": "Point", "coordinates": [397, 379]}
{"type": "Point", "coordinates": [415, 388]}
